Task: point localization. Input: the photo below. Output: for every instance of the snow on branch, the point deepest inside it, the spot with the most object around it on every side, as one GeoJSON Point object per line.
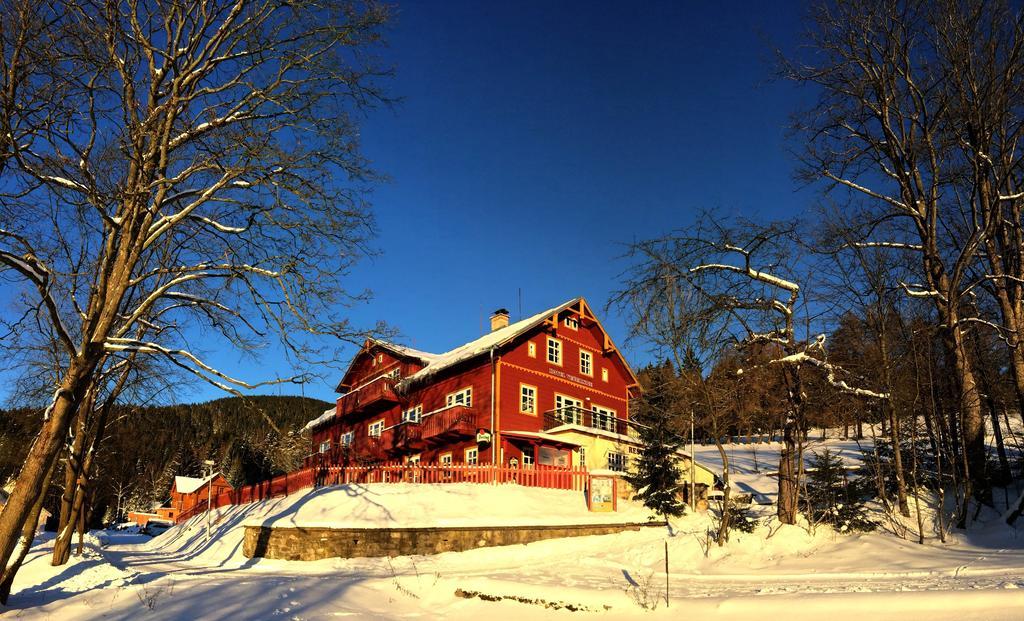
{"type": "Point", "coordinates": [197, 367]}
{"type": "Point", "coordinates": [866, 191]}
{"type": "Point", "coordinates": [915, 291]}
{"type": "Point", "coordinates": [884, 244]}
{"type": "Point", "coordinates": [764, 277]}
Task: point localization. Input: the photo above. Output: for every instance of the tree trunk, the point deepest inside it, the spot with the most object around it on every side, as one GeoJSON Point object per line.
{"type": "Point", "coordinates": [723, 527]}
{"type": "Point", "coordinates": [34, 478]}
{"type": "Point", "coordinates": [894, 425]}
{"type": "Point", "coordinates": [972, 426]}
{"type": "Point", "coordinates": [73, 472]}
{"type": "Point", "coordinates": [27, 535]}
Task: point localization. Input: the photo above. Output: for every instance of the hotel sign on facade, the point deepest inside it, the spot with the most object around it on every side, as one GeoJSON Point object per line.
{"type": "Point", "coordinates": [571, 378]}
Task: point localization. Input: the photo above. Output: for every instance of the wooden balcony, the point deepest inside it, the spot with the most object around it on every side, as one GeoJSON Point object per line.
{"type": "Point", "coordinates": [449, 424]}
{"type": "Point", "coordinates": [407, 437]}
{"type": "Point", "coordinates": [370, 398]}
{"type": "Point", "coordinates": [587, 418]}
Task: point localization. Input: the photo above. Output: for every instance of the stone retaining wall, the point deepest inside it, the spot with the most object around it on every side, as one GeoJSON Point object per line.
{"type": "Point", "coordinates": [311, 544]}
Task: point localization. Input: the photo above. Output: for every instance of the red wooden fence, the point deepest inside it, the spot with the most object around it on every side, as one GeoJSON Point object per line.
{"type": "Point", "coordinates": [549, 477]}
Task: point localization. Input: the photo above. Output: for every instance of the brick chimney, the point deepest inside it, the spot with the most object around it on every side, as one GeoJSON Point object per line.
{"type": "Point", "coordinates": [499, 319]}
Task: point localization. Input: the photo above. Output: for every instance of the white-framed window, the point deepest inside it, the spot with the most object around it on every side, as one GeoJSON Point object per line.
{"type": "Point", "coordinates": [380, 358]}
{"type": "Point", "coordinates": [527, 399]}
{"type": "Point", "coordinates": [527, 460]}
{"type": "Point", "coordinates": [572, 323]}
{"type": "Point", "coordinates": [531, 349]}
{"type": "Point", "coordinates": [472, 456]}
{"type": "Point", "coordinates": [375, 429]}
{"type": "Point", "coordinates": [569, 410]}
{"type": "Point", "coordinates": [554, 351]}
{"type": "Point", "coordinates": [586, 362]}
{"type": "Point", "coordinates": [602, 418]}
{"type": "Point", "coordinates": [413, 459]}
{"type": "Point", "coordinates": [445, 459]}
{"type": "Point", "coordinates": [413, 415]}
{"type": "Point", "coordinates": [346, 438]}
{"type": "Point", "coordinates": [617, 462]}
{"type": "Point", "coordinates": [325, 446]}
{"type": "Point", "coordinates": [581, 456]}
{"type": "Point", "coordinates": [395, 373]}
{"type": "Point", "coordinates": [462, 397]}
{"type": "Point", "coordinates": [604, 374]}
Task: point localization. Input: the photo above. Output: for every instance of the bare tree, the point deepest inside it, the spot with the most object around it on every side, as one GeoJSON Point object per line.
{"type": "Point", "coordinates": [918, 116]}
{"type": "Point", "coordinates": [735, 271]}
{"type": "Point", "coordinates": [177, 166]}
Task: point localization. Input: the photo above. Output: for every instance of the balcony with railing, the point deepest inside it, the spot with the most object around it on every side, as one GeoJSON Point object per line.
{"type": "Point", "coordinates": [372, 397]}
{"type": "Point", "coordinates": [450, 423]}
{"type": "Point", "coordinates": [588, 418]}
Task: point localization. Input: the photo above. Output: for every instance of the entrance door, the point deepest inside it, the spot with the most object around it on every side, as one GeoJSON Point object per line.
{"type": "Point", "coordinates": [569, 410]}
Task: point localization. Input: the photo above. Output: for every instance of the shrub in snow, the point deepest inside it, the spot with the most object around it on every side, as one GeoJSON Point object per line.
{"type": "Point", "coordinates": [742, 518]}
{"type": "Point", "coordinates": [833, 497]}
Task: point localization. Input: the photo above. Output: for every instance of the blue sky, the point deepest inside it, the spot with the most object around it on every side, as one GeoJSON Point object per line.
{"type": "Point", "coordinates": [534, 139]}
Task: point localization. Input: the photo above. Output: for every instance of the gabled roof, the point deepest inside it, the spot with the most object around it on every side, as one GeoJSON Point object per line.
{"type": "Point", "coordinates": [398, 350]}
{"type": "Point", "coordinates": [403, 351]}
{"type": "Point", "coordinates": [319, 420]}
{"type": "Point", "coordinates": [484, 344]}
{"type": "Point", "coordinates": [435, 363]}
{"type": "Point", "coordinates": [187, 485]}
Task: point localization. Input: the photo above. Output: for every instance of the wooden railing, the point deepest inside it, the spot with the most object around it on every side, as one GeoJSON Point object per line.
{"type": "Point", "coordinates": [548, 477]}
{"type": "Point", "coordinates": [587, 418]}
{"type": "Point", "coordinates": [457, 420]}
{"type": "Point", "coordinates": [380, 392]}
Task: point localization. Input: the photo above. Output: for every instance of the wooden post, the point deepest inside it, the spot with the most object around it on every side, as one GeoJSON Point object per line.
{"type": "Point", "coordinates": [666, 573]}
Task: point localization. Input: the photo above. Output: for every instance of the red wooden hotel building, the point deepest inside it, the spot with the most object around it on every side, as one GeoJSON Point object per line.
{"type": "Point", "coordinates": [513, 389]}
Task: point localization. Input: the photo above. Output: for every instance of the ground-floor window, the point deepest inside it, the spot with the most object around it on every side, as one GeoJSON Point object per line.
{"type": "Point", "coordinates": [527, 460]}
{"type": "Point", "coordinates": [581, 455]}
{"type": "Point", "coordinates": [617, 462]}
{"type": "Point", "coordinates": [445, 459]}
{"type": "Point", "coordinates": [472, 456]}
{"type": "Point", "coordinates": [413, 459]}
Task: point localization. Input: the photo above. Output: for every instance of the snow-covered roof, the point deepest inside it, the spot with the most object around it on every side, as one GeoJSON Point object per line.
{"type": "Point", "coordinates": [402, 350]}
{"type": "Point", "coordinates": [472, 349]}
{"type": "Point", "coordinates": [319, 420]}
{"type": "Point", "coordinates": [187, 485]}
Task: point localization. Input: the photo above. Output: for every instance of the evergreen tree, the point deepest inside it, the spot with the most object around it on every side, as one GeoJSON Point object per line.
{"type": "Point", "coordinates": [834, 498]}
{"type": "Point", "coordinates": [656, 475]}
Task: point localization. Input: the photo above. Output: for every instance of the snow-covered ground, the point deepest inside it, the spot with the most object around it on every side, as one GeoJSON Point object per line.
{"type": "Point", "coordinates": [784, 571]}
{"type": "Point", "coordinates": [752, 463]}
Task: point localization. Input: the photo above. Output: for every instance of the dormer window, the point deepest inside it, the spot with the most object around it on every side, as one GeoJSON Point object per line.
{"type": "Point", "coordinates": [572, 323]}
